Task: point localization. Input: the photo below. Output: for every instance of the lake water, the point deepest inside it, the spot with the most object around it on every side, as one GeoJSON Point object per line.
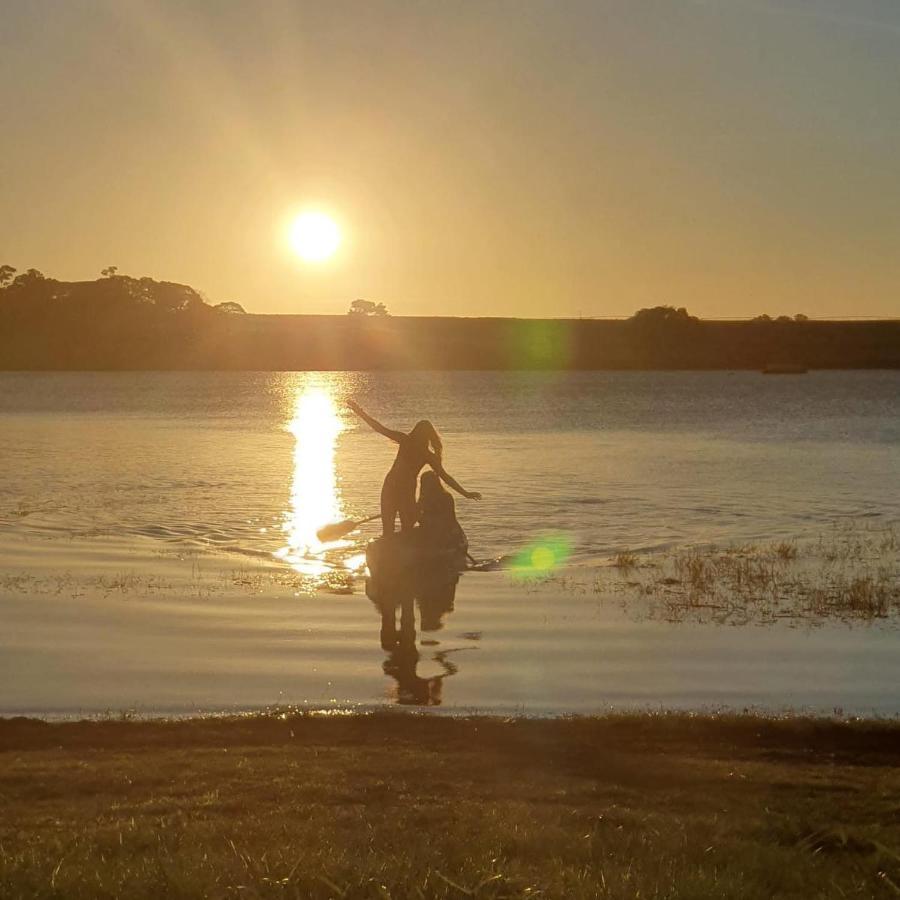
{"type": "Point", "coordinates": [158, 550]}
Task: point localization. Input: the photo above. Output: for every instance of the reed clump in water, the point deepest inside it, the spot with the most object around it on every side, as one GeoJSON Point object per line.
{"type": "Point", "coordinates": [625, 560]}
{"type": "Point", "coordinates": [785, 550]}
{"type": "Point", "coordinates": [852, 574]}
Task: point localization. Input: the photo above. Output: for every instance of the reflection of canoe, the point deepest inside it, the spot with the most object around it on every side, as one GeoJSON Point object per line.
{"type": "Point", "coordinates": [411, 555]}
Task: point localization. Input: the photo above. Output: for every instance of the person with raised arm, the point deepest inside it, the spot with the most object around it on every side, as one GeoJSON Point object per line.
{"type": "Point", "coordinates": [421, 447]}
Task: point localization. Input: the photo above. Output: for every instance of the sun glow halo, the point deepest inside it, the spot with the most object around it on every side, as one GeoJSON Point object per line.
{"type": "Point", "coordinates": [314, 236]}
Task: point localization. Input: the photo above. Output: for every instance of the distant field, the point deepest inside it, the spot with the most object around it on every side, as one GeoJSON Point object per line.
{"type": "Point", "coordinates": [394, 806]}
{"type": "Point", "coordinates": [126, 323]}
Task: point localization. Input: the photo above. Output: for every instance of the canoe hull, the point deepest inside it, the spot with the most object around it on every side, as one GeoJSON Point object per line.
{"type": "Point", "coordinates": [409, 555]}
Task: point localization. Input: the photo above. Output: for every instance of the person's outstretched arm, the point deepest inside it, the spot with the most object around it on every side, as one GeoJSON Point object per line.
{"type": "Point", "coordinates": [450, 481]}
{"type": "Point", "coordinates": [374, 424]}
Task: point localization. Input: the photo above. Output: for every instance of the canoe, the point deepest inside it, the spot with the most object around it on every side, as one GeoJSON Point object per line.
{"type": "Point", "coordinates": [411, 554]}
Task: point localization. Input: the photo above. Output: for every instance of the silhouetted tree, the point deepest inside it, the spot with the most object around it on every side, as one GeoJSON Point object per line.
{"type": "Point", "coordinates": [31, 287]}
{"type": "Point", "coordinates": [367, 308]}
{"type": "Point", "coordinates": [109, 271]}
{"type": "Point", "coordinates": [27, 280]}
{"type": "Point", "coordinates": [229, 306]}
{"type": "Point", "coordinates": [6, 275]}
{"type": "Point", "coordinates": [664, 334]}
{"type": "Point", "coordinates": [663, 315]}
{"type": "Point", "coordinates": [798, 318]}
{"type": "Point", "coordinates": [175, 297]}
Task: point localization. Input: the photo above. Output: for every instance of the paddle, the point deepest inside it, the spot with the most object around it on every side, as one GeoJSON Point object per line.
{"type": "Point", "coordinates": [337, 530]}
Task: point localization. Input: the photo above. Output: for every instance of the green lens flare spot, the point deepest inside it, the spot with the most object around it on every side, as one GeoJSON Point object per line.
{"type": "Point", "coordinates": [541, 558]}
{"type": "Point", "coordinates": [541, 344]}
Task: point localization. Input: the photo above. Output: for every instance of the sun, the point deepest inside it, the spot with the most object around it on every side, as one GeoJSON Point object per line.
{"type": "Point", "coordinates": [314, 236]}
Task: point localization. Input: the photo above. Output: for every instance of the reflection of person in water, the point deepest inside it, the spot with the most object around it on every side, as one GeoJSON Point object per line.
{"type": "Point", "coordinates": [421, 447]}
{"type": "Point", "coordinates": [400, 644]}
{"type": "Point", "coordinates": [436, 601]}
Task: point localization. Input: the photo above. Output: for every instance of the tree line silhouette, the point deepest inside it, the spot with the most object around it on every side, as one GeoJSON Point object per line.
{"type": "Point", "coordinates": [121, 322]}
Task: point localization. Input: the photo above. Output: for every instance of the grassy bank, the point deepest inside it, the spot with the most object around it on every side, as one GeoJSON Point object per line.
{"type": "Point", "coordinates": [404, 806]}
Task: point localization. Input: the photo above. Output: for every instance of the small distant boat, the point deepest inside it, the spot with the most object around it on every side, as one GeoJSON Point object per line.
{"type": "Point", "coordinates": [412, 555]}
{"type": "Point", "coordinates": [784, 369]}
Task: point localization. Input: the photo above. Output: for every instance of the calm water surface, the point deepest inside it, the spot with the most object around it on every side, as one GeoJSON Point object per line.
{"type": "Point", "coordinates": [157, 538]}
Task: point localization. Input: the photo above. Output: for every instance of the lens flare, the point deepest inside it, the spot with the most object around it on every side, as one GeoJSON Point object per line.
{"type": "Point", "coordinates": [539, 344]}
{"type": "Point", "coordinates": [541, 558]}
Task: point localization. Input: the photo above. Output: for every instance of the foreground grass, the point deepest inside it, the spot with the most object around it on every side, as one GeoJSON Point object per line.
{"type": "Point", "coordinates": [395, 806]}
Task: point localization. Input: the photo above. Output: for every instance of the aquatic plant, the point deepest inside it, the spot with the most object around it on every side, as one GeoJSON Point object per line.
{"type": "Point", "coordinates": [851, 574]}
{"type": "Point", "coordinates": [786, 550]}
{"type": "Point", "coordinates": [625, 560]}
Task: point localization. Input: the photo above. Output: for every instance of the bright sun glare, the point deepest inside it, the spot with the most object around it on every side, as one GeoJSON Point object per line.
{"type": "Point", "coordinates": [314, 236]}
{"type": "Point", "coordinates": [315, 496]}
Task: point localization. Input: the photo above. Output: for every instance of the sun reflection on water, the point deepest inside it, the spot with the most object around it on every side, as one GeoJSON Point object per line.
{"type": "Point", "coordinates": [315, 495]}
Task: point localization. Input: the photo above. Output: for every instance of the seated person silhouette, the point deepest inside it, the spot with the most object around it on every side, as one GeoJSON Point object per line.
{"type": "Point", "coordinates": [437, 513]}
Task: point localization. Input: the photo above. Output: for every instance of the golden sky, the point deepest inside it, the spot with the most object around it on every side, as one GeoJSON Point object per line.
{"type": "Point", "coordinates": [554, 158]}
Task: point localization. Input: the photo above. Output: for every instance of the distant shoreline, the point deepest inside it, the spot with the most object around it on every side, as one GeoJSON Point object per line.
{"type": "Point", "coordinates": [208, 340]}
{"type": "Point", "coordinates": [122, 323]}
{"type": "Point", "coordinates": [122, 370]}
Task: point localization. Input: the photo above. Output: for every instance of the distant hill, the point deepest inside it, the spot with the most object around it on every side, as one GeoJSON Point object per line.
{"type": "Point", "coordinates": [119, 322]}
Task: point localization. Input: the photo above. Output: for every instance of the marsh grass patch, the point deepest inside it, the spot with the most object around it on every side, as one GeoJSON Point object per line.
{"type": "Point", "coordinates": [851, 573]}
{"type": "Point", "coordinates": [625, 559]}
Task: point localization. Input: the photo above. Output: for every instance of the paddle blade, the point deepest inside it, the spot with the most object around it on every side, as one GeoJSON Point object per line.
{"type": "Point", "coordinates": [336, 530]}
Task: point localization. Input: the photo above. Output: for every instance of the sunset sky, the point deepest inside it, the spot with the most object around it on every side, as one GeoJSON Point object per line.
{"type": "Point", "coordinates": [481, 158]}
